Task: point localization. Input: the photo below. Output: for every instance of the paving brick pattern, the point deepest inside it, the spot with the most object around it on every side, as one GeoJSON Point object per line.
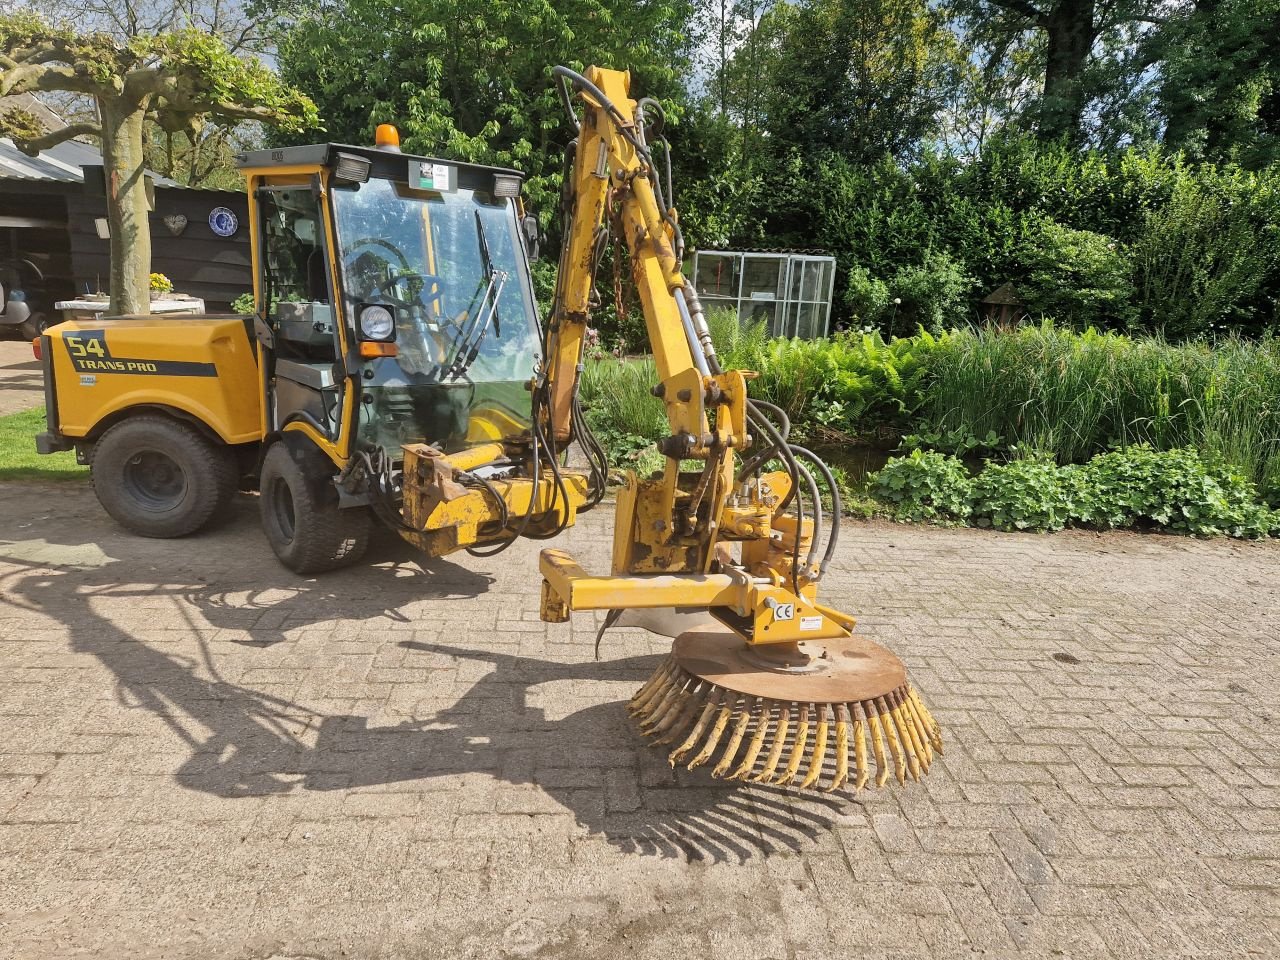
{"type": "Point", "coordinates": [202, 755]}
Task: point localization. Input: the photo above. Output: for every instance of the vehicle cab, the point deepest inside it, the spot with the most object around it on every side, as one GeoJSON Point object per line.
{"type": "Point", "coordinates": [393, 298]}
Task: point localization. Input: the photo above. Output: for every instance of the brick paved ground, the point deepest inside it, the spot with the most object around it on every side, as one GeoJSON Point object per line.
{"type": "Point", "coordinates": [202, 755]}
{"type": "Point", "coordinates": [21, 385]}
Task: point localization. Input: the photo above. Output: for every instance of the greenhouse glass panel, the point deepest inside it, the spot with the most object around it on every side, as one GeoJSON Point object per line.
{"type": "Point", "coordinates": [752, 313]}
{"type": "Point", "coordinates": [769, 288]}
{"type": "Point", "coordinates": [719, 276]}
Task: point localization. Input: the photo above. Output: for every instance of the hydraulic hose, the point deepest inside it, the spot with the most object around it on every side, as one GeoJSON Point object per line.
{"type": "Point", "coordinates": [837, 506]}
{"type": "Point", "coordinates": [816, 498]}
{"type": "Point", "coordinates": [636, 140]}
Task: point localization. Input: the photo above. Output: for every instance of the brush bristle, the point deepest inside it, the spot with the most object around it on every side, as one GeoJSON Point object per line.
{"type": "Point", "coordinates": [813, 745]}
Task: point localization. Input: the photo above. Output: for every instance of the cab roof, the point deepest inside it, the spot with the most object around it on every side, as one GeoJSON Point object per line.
{"type": "Point", "coordinates": [385, 164]}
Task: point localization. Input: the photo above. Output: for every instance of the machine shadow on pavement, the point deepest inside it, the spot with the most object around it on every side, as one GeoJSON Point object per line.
{"type": "Point", "coordinates": [247, 742]}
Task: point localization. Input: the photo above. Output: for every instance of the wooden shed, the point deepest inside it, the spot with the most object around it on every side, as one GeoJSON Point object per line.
{"type": "Point", "coordinates": [184, 247]}
{"type": "Point", "coordinates": [53, 218]}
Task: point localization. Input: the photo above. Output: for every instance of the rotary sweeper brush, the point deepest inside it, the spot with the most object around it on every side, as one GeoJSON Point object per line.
{"type": "Point", "coordinates": [793, 717]}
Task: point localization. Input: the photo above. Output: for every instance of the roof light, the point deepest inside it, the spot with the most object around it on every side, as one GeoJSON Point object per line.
{"type": "Point", "coordinates": [350, 168]}
{"type": "Point", "coordinates": [505, 185]}
{"type": "Point", "coordinates": [387, 137]}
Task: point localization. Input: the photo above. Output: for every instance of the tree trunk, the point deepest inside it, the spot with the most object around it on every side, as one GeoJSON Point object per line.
{"type": "Point", "coordinates": [1069, 33]}
{"type": "Point", "coordinates": [127, 211]}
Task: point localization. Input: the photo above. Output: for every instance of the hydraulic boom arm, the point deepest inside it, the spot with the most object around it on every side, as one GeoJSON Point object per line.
{"type": "Point", "coordinates": [686, 521]}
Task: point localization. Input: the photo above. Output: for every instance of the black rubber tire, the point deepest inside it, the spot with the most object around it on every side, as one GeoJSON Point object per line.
{"type": "Point", "coordinates": [300, 514]}
{"type": "Point", "coordinates": [158, 477]}
{"type": "Point", "coordinates": [34, 326]}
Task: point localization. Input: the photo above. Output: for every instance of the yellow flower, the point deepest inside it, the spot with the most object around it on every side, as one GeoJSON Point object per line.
{"type": "Point", "coordinates": [160, 283]}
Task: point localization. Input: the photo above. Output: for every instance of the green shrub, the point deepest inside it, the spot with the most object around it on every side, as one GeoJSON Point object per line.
{"type": "Point", "coordinates": [1202, 258]}
{"type": "Point", "coordinates": [868, 299]}
{"type": "Point", "coordinates": [1094, 237]}
{"type": "Point", "coordinates": [1030, 494]}
{"type": "Point", "coordinates": [924, 486]}
{"type": "Point", "coordinates": [932, 294]}
{"type": "Point", "coordinates": [1175, 489]}
{"type": "Point", "coordinates": [1077, 276]}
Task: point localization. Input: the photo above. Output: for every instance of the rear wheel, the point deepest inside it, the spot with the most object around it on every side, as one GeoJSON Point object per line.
{"type": "Point", "coordinates": [160, 478]}
{"type": "Point", "coordinates": [300, 513]}
{"type": "Point", "coordinates": [34, 326]}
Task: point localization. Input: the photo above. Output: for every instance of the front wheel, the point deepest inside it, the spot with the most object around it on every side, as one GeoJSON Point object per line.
{"type": "Point", "coordinates": [160, 478]}
{"type": "Point", "coordinates": [300, 513]}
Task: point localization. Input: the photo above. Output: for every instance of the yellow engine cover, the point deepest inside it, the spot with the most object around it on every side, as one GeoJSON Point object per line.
{"type": "Point", "coordinates": [203, 366]}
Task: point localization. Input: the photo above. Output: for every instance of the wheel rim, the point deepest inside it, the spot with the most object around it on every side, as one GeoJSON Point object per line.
{"type": "Point", "coordinates": [282, 509]}
{"type": "Point", "coordinates": [155, 480]}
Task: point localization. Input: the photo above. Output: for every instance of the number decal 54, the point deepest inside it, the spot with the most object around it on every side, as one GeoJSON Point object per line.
{"type": "Point", "coordinates": [81, 346]}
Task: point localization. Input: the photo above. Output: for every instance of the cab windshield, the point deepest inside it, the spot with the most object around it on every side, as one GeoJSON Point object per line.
{"type": "Point", "coordinates": [450, 267]}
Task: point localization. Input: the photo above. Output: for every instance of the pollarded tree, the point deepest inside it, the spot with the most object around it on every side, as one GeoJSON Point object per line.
{"type": "Point", "coordinates": [179, 79]}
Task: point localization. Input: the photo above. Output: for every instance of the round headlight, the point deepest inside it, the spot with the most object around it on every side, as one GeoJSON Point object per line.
{"type": "Point", "coordinates": [377, 323]}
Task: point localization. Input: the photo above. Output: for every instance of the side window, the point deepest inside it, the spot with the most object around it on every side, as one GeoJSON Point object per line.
{"type": "Point", "coordinates": [295, 273]}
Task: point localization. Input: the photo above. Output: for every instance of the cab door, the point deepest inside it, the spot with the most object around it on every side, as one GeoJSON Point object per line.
{"type": "Point", "coordinates": [305, 380]}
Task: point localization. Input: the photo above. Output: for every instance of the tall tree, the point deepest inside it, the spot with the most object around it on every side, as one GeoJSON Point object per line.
{"type": "Point", "coordinates": [863, 78]}
{"type": "Point", "coordinates": [177, 79]}
{"type": "Point", "coordinates": [1070, 37]}
{"type": "Point", "coordinates": [471, 79]}
{"type": "Point", "coordinates": [1219, 86]}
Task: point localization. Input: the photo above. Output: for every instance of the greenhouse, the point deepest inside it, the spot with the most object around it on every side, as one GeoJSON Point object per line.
{"type": "Point", "coordinates": [788, 291]}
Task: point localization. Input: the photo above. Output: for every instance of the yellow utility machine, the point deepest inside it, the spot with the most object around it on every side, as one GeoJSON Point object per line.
{"type": "Point", "coordinates": [396, 369]}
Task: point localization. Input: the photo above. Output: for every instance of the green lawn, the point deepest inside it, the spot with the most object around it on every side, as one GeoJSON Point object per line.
{"type": "Point", "coordinates": [18, 457]}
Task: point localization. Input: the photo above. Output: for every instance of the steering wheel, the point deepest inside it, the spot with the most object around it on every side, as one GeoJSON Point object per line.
{"type": "Point", "coordinates": [430, 281]}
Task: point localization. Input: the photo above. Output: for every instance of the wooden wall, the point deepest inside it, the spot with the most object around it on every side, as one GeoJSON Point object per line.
{"type": "Point", "coordinates": [198, 261]}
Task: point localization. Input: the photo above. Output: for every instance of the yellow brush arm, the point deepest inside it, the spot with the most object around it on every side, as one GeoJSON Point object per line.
{"type": "Point", "coordinates": [672, 524]}
{"type": "Point", "coordinates": [607, 171]}
{"type": "Point", "coordinates": [675, 533]}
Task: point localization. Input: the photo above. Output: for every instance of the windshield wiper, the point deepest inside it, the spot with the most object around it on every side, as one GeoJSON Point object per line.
{"type": "Point", "coordinates": [467, 344]}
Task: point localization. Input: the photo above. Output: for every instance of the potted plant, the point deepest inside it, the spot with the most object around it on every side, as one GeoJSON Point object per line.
{"type": "Point", "coordinates": [161, 286]}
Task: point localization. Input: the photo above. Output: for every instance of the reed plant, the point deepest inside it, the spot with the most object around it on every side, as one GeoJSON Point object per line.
{"type": "Point", "coordinates": [1047, 390]}
{"type": "Point", "coordinates": [625, 416]}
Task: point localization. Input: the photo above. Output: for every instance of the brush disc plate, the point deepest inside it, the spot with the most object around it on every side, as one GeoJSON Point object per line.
{"type": "Point", "coordinates": [835, 671]}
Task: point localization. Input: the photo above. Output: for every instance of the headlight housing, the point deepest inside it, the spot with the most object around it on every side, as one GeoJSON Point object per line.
{"type": "Point", "coordinates": [377, 322]}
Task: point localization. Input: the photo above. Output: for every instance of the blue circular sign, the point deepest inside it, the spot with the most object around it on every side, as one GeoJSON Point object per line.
{"type": "Point", "coordinates": [223, 222]}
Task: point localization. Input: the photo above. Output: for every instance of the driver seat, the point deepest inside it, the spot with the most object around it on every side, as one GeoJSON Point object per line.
{"type": "Point", "coordinates": [317, 280]}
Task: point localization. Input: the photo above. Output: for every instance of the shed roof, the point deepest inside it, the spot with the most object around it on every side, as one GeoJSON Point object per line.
{"type": "Point", "coordinates": [1003, 295]}
{"type": "Point", "coordinates": [60, 164]}
{"type": "Point", "coordinates": [788, 251]}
